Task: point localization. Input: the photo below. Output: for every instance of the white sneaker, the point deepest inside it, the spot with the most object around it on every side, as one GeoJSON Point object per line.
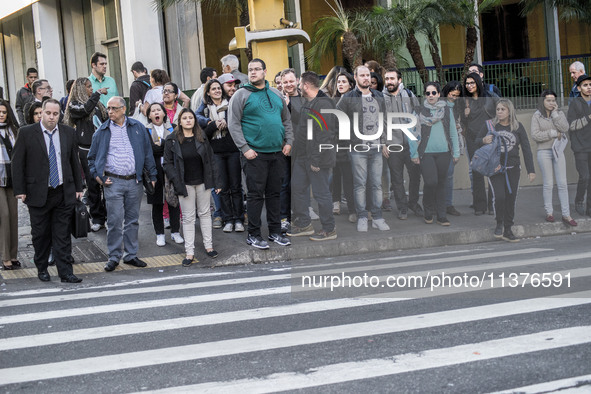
{"type": "Point", "coordinates": [166, 223]}
{"type": "Point", "coordinates": [362, 225]}
{"type": "Point", "coordinates": [336, 208]}
{"type": "Point", "coordinates": [176, 237]}
{"type": "Point", "coordinates": [238, 227]}
{"type": "Point", "coordinates": [95, 227]}
{"type": "Point", "coordinates": [313, 214]}
{"type": "Point", "coordinates": [380, 224]}
{"type": "Point", "coordinates": [160, 241]}
{"type": "Point", "coordinates": [228, 227]}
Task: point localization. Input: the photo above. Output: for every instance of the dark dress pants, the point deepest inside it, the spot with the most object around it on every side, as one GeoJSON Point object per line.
{"type": "Point", "coordinates": [96, 202]}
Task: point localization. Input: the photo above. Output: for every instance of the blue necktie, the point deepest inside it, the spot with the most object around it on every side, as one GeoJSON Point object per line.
{"type": "Point", "coordinates": [54, 175]}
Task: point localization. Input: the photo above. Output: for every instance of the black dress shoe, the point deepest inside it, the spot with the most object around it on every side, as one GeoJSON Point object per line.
{"type": "Point", "coordinates": [71, 279]}
{"type": "Point", "coordinates": [111, 265]}
{"type": "Point", "coordinates": [136, 262]}
{"type": "Point", "coordinates": [44, 276]}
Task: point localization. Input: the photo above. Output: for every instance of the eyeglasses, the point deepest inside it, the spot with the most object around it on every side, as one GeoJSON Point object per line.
{"type": "Point", "coordinates": [431, 93]}
{"type": "Point", "coordinates": [109, 109]}
{"type": "Point", "coordinates": [470, 83]}
{"type": "Point", "coordinates": [255, 69]}
{"type": "Point", "coordinates": [166, 91]}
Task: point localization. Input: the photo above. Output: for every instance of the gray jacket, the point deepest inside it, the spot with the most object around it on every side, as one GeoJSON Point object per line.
{"type": "Point", "coordinates": [406, 103]}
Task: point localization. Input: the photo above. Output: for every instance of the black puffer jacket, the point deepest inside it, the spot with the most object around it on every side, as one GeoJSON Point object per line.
{"type": "Point", "coordinates": [82, 117]}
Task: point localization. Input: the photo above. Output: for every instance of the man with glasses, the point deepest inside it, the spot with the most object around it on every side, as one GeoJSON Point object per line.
{"type": "Point", "coordinates": [98, 63]}
{"type": "Point", "coordinates": [41, 89]}
{"type": "Point", "coordinates": [119, 154]}
{"type": "Point", "coordinates": [260, 124]}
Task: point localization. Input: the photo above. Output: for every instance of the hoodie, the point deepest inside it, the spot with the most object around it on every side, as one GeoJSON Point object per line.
{"type": "Point", "coordinates": [259, 119]}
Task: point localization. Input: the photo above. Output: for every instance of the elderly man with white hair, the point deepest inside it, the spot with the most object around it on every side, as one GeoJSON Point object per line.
{"type": "Point", "coordinates": [576, 70]}
{"type": "Point", "coordinates": [230, 64]}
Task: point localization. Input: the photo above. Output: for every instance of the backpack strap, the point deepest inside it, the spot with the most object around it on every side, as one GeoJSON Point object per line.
{"type": "Point", "coordinates": [491, 88]}
{"type": "Point", "coordinates": [147, 84]}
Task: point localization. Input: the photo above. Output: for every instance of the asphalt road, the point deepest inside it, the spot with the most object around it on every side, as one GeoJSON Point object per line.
{"type": "Point", "coordinates": [256, 329]}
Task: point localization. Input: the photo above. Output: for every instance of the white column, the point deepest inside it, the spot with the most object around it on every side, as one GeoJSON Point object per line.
{"type": "Point", "coordinates": [3, 80]}
{"type": "Point", "coordinates": [48, 43]}
{"type": "Point", "coordinates": [142, 38]}
{"type": "Point", "coordinates": [300, 47]}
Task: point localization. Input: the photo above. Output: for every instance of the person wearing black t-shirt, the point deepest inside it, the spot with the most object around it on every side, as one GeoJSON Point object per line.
{"type": "Point", "coordinates": [188, 164]}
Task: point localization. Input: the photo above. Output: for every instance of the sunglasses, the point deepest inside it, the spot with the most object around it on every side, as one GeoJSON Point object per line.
{"type": "Point", "coordinates": [431, 93]}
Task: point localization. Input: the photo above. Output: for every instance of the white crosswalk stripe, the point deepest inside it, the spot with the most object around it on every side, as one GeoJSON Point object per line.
{"type": "Point", "coordinates": [252, 315]}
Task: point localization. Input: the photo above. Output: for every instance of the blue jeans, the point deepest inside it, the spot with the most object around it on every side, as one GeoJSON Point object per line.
{"type": "Point", "coordinates": [123, 199]}
{"type": "Point", "coordinates": [301, 179]}
{"type": "Point", "coordinates": [547, 165]}
{"type": "Point", "coordinates": [367, 170]}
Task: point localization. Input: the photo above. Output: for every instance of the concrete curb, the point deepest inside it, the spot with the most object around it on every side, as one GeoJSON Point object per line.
{"type": "Point", "coordinates": [304, 248]}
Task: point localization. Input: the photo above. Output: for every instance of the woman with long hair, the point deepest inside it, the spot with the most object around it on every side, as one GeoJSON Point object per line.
{"type": "Point", "coordinates": [159, 78]}
{"type": "Point", "coordinates": [452, 91]}
{"type": "Point", "coordinates": [159, 129]}
{"type": "Point", "coordinates": [330, 81]}
{"type": "Point", "coordinates": [479, 106]}
{"type": "Point", "coordinates": [170, 94]}
{"type": "Point", "coordinates": [345, 83]}
{"type": "Point", "coordinates": [212, 116]}
{"type": "Point", "coordinates": [8, 203]}
{"type": "Point", "coordinates": [377, 82]}
{"type": "Point", "coordinates": [188, 164]}
{"type": "Point", "coordinates": [548, 125]}
{"type": "Point", "coordinates": [437, 148]}
{"type": "Point", "coordinates": [504, 185]}
{"type": "Point", "coordinates": [35, 113]}
{"type": "Point", "coordinates": [86, 113]}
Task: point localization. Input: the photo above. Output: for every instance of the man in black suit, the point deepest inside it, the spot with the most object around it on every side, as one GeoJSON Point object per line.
{"type": "Point", "coordinates": [46, 177]}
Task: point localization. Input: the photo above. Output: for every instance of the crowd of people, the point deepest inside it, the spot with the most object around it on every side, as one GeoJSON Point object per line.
{"type": "Point", "coordinates": [247, 146]}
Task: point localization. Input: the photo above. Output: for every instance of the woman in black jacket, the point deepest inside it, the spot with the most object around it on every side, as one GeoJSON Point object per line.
{"type": "Point", "coordinates": [479, 106]}
{"type": "Point", "coordinates": [86, 113]}
{"type": "Point", "coordinates": [189, 166]}
{"type": "Point", "coordinates": [504, 185]}
{"type": "Point", "coordinates": [159, 128]}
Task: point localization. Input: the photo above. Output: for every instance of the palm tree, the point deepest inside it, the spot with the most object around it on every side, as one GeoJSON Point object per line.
{"type": "Point", "coordinates": [569, 9]}
{"type": "Point", "coordinates": [385, 33]}
{"type": "Point", "coordinates": [344, 26]}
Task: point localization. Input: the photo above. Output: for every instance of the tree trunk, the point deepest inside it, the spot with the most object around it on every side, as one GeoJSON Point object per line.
{"type": "Point", "coordinates": [390, 60]}
{"type": "Point", "coordinates": [471, 41]}
{"type": "Point", "coordinates": [434, 50]}
{"type": "Point", "coordinates": [417, 57]}
{"type": "Point", "coordinates": [350, 49]}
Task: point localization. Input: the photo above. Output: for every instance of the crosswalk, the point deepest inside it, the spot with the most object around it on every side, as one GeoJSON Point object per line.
{"type": "Point", "coordinates": [261, 330]}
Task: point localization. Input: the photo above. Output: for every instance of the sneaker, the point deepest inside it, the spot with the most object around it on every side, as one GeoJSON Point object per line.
{"type": "Point", "coordinates": [176, 237]}
{"type": "Point", "coordinates": [509, 236]}
{"type": "Point", "coordinates": [580, 208]}
{"type": "Point", "coordinates": [313, 214]}
{"type": "Point", "coordinates": [386, 206]}
{"type": "Point", "coordinates": [428, 219]}
{"type": "Point", "coordinates": [403, 214]}
{"type": "Point", "coordinates": [324, 236]}
{"type": "Point", "coordinates": [217, 222]}
{"type": "Point", "coordinates": [499, 230]}
{"type": "Point", "coordinates": [187, 262]}
{"type": "Point", "coordinates": [238, 227]}
{"type": "Point", "coordinates": [417, 209]}
{"type": "Point", "coordinates": [96, 227]}
{"type": "Point", "coordinates": [362, 225]}
{"type": "Point", "coordinates": [136, 262]}
{"type": "Point", "coordinates": [443, 222]}
{"type": "Point", "coordinates": [451, 210]}
{"type": "Point", "coordinates": [160, 241]}
{"type": "Point", "coordinates": [228, 227]}
{"type": "Point", "coordinates": [285, 226]}
{"type": "Point", "coordinates": [212, 253]}
{"type": "Point", "coordinates": [336, 208]}
{"type": "Point", "coordinates": [111, 265]}
{"type": "Point", "coordinates": [258, 242]}
{"type": "Point", "coordinates": [380, 224]}
{"type": "Point", "coordinates": [353, 217]}
{"type": "Point", "coordinates": [300, 231]}
{"type": "Point", "coordinates": [166, 223]}
{"type": "Point", "coordinates": [279, 239]}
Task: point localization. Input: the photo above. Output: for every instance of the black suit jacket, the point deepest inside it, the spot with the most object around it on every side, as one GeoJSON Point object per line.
{"type": "Point", "coordinates": [30, 165]}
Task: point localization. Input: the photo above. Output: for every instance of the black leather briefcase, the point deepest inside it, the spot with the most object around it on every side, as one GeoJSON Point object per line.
{"type": "Point", "coordinates": [80, 220]}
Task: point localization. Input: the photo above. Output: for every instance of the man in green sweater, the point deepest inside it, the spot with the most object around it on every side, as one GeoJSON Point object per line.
{"type": "Point", "coordinates": [260, 124]}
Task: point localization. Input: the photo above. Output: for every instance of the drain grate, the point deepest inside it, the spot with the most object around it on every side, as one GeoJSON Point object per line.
{"type": "Point", "coordinates": [83, 251]}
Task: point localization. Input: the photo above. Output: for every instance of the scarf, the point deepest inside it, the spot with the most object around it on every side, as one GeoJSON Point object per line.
{"type": "Point", "coordinates": [437, 112]}
{"type": "Point", "coordinates": [6, 143]}
{"type": "Point", "coordinates": [217, 112]}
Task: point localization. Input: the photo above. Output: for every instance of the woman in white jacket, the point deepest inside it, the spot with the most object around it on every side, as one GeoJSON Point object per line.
{"type": "Point", "coordinates": [548, 125]}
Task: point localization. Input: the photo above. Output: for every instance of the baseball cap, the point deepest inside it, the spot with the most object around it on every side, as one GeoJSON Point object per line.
{"type": "Point", "coordinates": [582, 78]}
{"type": "Point", "coordinates": [225, 78]}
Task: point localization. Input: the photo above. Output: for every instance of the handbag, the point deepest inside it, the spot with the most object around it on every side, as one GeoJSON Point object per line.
{"type": "Point", "coordinates": [148, 186]}
{"type": "Point", "coordinates": [169, 193]}
{"type": "Point", "coordinates": [80, 220]}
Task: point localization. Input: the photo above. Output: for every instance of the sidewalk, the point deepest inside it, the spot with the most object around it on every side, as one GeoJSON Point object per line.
{"type": "Point", "coordinates": [412, 233]}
